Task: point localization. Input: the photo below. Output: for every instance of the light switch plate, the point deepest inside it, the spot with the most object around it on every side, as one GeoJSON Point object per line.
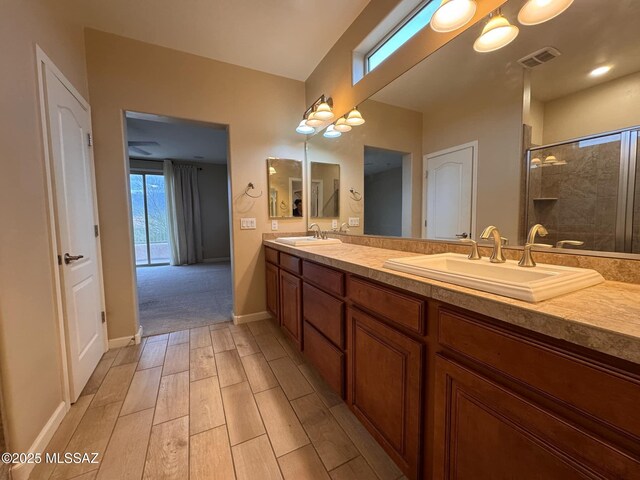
{"type": "Point", "coordinates": [354, 221]}
{"type": "Point", "coordinates": [274, 224]}
{"type": "Point", "coordinates": [334, 224]}
{"type": "Point", "coordinates": [247, 224]}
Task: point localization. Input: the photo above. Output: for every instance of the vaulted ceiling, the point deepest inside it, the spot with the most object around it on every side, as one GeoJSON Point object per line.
{"type": "Point", "coordinates": [283, 37]}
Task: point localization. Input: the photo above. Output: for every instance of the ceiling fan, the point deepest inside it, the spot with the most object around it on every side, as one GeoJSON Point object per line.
{"type": "Point", "coordinates": [135, 146]}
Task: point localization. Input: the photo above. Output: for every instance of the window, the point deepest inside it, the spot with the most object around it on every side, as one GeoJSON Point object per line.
{"type": "Point", "coordinates": [149, 213]}
{"type": "Point", "coordinates": [412, 24]}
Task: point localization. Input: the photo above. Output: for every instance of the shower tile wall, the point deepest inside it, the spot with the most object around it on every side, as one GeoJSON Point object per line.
{"type": "Point", "coordinates": [578, 201]}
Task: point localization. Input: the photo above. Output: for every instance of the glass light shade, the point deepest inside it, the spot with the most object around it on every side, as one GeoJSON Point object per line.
{"type": "Point", "coordinates": [535, 162]}
{"type": "Point", "coordinates": [331, 132]}
{"type": "Point", "coordinates": [354, 118]}
{"type": "Point", "coordinates": [550, 160]}
{"type": "Point", "coordinates": [453, 14]}
{"type": "Point", "coordinates": [539, 11]}
{"type": "Point", "coordinates": [313, 120]}
{"type": "Point", "coordinates": [342, 126]}
{"type": "Point", "coordinates": [272, 171]}
{"type": "Point", "coordinates": [305, 129]}
{"type": "Point", "coordinates": [497, 33]}
{"type": "Point", "coordinates": [323, 112]}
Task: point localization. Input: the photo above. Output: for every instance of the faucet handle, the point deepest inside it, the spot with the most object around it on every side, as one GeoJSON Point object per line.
{"type": "Point", "coordinates": [573, 243]}
{"type": "Point", "coordinates": [504, 240]}
{"type": "Point", "coordinates": [475, 254]}
{"type": "Point", "coordinates": [537, 245]}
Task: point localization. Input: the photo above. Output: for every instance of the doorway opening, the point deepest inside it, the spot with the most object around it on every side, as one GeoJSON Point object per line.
{"type": "Point", "coordinates": [180, 215]}
{"type": "Point", "coordinates": [385, 177]}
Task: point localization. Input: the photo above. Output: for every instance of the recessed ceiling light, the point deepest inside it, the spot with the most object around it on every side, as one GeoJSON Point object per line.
{"type": "Point", "coordinates": [597, 72]}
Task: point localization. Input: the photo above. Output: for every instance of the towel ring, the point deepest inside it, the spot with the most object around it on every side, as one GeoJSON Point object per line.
{"type": "Point", "coordinates": [357, 196]}
{"type": "Point", "coordinates": [251, 187]}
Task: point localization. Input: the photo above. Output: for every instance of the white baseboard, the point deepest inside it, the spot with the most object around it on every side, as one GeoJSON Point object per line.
{"type": "Point", "coordinates": [216, 260]}
{"type": "Point", "coordinates": [21, 471]}
{"type": "Point", "coordinates": [126, 341]}
{"type": "Point", "coordinates": [251, 317]}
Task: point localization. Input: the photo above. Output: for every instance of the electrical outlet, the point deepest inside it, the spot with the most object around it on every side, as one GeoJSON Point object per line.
{"type": "Point", "coordinates": [247, 224]}
{"type": "Point", "coordinates": [274, 224]}
{"type": "Point", "coordinates": [354, 221]}
{"type": "Point", "coordinates": [334, 224]}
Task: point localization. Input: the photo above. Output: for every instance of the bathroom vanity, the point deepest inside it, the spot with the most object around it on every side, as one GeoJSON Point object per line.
{"type": "Point", "coordinates": [457, 383]}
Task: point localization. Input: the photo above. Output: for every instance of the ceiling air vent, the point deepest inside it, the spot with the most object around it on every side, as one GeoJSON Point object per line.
{"type": "Point", "coordinates": [539, 57]}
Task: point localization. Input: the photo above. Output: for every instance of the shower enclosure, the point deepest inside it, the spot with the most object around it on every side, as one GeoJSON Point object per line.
{"type": "Point", "coordinates": [588, 190]}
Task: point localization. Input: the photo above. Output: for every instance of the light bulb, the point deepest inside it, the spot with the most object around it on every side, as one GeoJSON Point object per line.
{"type": "Point", "coordinates": [323, 112]}
{"type": "Point", "coordinates": [597, 72]}
{"type": "Point", "coordinates": [497, 33]}
{"type": "Point", "coordinates": [354, 118]}
{"type": "Point", "coordinates": [331, 132]}
{"type": "Point", "coordinates": [342, 126]}
{"type": "Point", "coordinates": [305, 129]}
{"type": "Point", "coordinates": [313, 120]}
{"type": "Point", "coordinates": [453, 14]}
{"type": "Point", "coordinates": [535, 12]}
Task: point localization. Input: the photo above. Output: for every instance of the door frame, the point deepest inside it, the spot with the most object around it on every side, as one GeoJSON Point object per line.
{"type": "Point", "coordinates": [45, 63]}
{"type": "Point", "coordinates": [474, 183]}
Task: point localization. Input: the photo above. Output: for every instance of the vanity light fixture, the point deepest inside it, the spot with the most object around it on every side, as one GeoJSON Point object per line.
{"type": "Point", "coordinates": [497, 33]}
{"type": "Point", "coordinates": [535, 162]}
{"type": "Point", "coordinates": [598, 72]}
{"type": "Point", "coordinates": [272, 171]}
{"type": "Point", "coordinates": [323, 112]}
{"type": "Point", "coordinates": [304, 128]}
{"type": "Point", "coordinates": [453, 14]}
{"type": "Point", "coordinates": [313, 121]}
{"type": "Point", "coordinates": [354, 118]}
{"type": "Point", "coordinates": [550, 160]}
{"type": "Point", "coordinates": [535, 12]}
{"type": "Point", "coordinates": [331, 132]}
{"type": "Point", "coordinates": [342, 126]}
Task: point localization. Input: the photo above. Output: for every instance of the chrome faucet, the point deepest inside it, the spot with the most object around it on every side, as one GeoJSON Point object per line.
{"type": "Point", "coordinates": [527, 259]}
{"type": "Point", "coordinates": [573, 243]}
{"type": "Point", "coordinates": [475, 254]}
{"type": "Point", "coordinates": [496, 256]}
{"type": "Point", "coordinates": [316, 232]}
{"type": "Point", "coordinates": [344, 228]}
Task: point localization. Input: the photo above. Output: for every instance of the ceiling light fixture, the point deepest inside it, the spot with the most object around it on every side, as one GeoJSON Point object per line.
{"type": "Point", "coordinates": [597, 72]}
{"type": "Point", "coordinates": [535, 12]}
{"type": "Point", "coordinates": [305, 129]}
{"type": "Point", "coordinates": [342, 126]}
{"type": "Point", "coordinates": [331, 132]}
{"type": "Point", "coordinates": [354, 118]}
{"type": "Point", "coordinates": [453, 14]}
{"type": "Point", "coordinates": [497, 33]}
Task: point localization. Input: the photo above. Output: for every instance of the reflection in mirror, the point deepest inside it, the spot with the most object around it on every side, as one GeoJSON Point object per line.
{"type": "Point", "coordinates": [325, 190]}
{"type": "Point", "coordinates": [466, 123]}
{"type": "Point", "coordinates": [285, 188]}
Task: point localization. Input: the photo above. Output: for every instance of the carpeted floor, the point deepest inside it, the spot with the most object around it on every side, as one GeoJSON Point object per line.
{"type": "Point", "coordinates": [178, 298]}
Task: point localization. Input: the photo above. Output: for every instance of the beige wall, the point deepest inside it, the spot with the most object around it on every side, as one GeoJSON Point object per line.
{"type": "Point", "coordinates": [29, 352]}
{"type": "Point", "coordinates": [262, 112]}
{"type": "Point", "coordinates": [495, 121]}
{"type": "Point", "coordinates": [388, 127]}
{"type": "Point", "coordinates": [609, 106]}
{"type": "Point", "coordinates": [333, 75]}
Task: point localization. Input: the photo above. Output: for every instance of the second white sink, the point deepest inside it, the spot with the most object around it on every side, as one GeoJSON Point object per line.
{"type": "Point", "coordinates": [508, 279]}
{"type": "Point", "coordinates": [307, 241]}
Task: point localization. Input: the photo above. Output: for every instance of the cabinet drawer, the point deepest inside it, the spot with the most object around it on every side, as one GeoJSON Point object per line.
{"type": "Point", "coordinates": [327, 359]}
{"type": "Point", "coordinates": [605, 395]}
{"type": "Point", "coordinates": [402, 309]}
{"type": "Point", "coordinates": [271, 255]}
{"type": "Point", "coordinates": [324, 312]}
{"type": "Point", "coordinates": [326, 278]}
{"type": "Point", "coordinates": [291, 263]}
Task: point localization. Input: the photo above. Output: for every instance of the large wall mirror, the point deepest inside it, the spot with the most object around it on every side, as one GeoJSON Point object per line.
{"type": "Point", "coordinates": [540, 131]}
{"type": "Point", "coordinates": [285, 188]}
{"type": "Point", "coordinates": [324, 186]}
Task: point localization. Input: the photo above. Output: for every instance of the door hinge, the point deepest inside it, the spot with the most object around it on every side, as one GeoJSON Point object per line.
{"type": "Point", "coordinates": [96, 230]}
{"type": "Point", "coordinates": [90, 139]}
{"type": "Point", "coordinates": [59, 259]}
{"type": "Point", "coordinates": [103, 316]}
{"type": "Point", "coordinates": [425, 223]}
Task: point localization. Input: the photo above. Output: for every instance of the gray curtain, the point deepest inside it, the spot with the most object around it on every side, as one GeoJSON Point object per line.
{"type": "Point", "coordinates": [183, 211]}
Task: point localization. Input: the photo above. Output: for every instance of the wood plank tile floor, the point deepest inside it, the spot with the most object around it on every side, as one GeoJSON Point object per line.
{"type": "Point", "coordinates": [219, 402]}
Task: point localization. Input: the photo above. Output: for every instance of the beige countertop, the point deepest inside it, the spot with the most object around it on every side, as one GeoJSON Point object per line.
{"type": "Point", "coordinates": [605, 317]}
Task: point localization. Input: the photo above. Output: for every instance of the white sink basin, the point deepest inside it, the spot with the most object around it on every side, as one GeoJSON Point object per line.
{"type": "Point", "coordinates": [307, 241]}
{"type": "Point", "coordinates": [508, 279]}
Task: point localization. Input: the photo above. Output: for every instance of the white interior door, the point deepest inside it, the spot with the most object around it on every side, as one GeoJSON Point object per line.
{"type": "Point", "coordinates": [449, 184]}
{"type": "Point", "coordinates": [69, 124]}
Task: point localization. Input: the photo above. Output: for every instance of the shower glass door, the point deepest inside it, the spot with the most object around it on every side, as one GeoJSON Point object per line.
{"type": "Point", "coordinates": [149, 214]}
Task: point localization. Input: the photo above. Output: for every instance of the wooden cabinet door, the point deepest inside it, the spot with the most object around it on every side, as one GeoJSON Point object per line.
{"type": "Point", "coordinates": [291, 306]}
{"type": "Point", "coordinates": [385, 386]}
{"type": "Point", "coordinates": [273, 291]}
{"type": "Point", "coordinates": [484, 431]}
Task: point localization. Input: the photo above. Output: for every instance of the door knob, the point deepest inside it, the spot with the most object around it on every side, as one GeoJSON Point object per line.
{"type": "Point", "coordinates": [71, 258]}
{"type": "Point", "coordinates": [462, 235]}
